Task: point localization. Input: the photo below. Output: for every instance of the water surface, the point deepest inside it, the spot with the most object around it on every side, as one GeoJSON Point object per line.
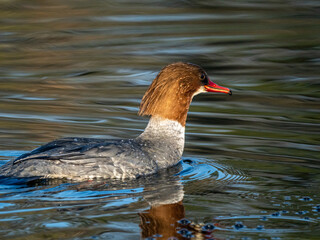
{"type": "Point", "coordinates": [251, 162]}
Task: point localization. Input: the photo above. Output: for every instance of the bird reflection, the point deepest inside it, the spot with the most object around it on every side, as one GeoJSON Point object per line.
{"type": "Point", "coordinates": [162, 221]}
{"type": "Point", "coordinates": [166, 218]}
{"type": "Point", "coordinates": [164, 193]}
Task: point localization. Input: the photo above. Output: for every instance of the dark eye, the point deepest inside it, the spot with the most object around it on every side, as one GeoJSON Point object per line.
{"type": "Point", "coordinates": [204, 78]}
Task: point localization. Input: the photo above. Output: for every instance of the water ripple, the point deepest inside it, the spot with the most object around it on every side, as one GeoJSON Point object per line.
{"type": "Point", "coordinates": [198, 169]}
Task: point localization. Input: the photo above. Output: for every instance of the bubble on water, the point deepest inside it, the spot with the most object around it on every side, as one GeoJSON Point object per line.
{"type": "Point", "coordinates": [306, 199]}
{"type": "Point", "coordinates": [316, 208]}
{"type": "Point", "coordinates": [260, 227]}
{"type": "Point", "coordinates": [302, 212]}
{"type": "Point", "coordinates": [238, 225]}
{"type": "Point", "coordinates": [264, 218]}
{"type": "Point", "coordinates": [208, 227]}
{"type": "Point", "coordinates": [184, 221]}
{"type": "Point", "coordinates": [185, 233]}
{"type": "Point", "coordinates": [276, 214]}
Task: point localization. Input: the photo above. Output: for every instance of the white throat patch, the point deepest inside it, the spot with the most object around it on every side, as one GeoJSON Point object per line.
{"type": "Point", "coordinates": [200, 90]}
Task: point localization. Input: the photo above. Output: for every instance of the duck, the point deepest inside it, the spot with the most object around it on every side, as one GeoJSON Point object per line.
{"type": "Point", "coordinates": [160, 146]}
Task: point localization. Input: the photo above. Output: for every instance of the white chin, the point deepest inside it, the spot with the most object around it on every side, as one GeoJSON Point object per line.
{"type": "Point", "coordinates": [200, 90]}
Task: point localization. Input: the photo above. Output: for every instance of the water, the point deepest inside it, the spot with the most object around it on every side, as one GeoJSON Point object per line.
{"type": "Point", "coordinates": [251, 162]}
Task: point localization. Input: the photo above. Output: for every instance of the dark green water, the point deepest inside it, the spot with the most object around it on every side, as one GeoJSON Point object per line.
{"type": "Point", "coordinates": [251, 161]}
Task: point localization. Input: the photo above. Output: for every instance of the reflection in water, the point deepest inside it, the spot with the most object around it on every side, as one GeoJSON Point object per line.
{"type": "Point", "coordinates": [166, 207]}
{"type": "Point", "coordinates": [164, 215]}
{"type": "Point", "coordinates": [163, 193]}
{"type": "Point", "coordinates": [162, 220]}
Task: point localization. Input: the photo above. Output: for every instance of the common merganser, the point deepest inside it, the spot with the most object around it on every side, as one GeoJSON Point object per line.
{"type": "Point", "coordinates": [160, 145]}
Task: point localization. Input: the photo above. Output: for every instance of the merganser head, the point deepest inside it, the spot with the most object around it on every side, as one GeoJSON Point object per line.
{"type": "Point", "coordinates": [171, 92]}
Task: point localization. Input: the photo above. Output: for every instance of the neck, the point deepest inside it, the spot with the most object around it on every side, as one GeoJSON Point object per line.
{"type": "Point", "coordinates": [164, 131]}
{"type": "Point", "coordinates": [174, 109]}
{"type": "Point", "coordinates": [170, 103]}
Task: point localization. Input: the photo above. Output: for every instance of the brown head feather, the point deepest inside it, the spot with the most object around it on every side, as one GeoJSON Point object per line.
{"type": "Point", "coordinates": [171, 92]}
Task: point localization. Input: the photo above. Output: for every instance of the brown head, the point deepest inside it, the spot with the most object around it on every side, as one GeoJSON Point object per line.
{"type": "Point", "coordinates": [171, 92]}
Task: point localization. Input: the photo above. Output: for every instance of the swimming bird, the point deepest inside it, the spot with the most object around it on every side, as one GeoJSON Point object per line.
{"type": "Point", "coordinates": [160, 146]}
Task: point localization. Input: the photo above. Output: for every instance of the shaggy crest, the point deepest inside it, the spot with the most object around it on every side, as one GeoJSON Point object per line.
{"type": "Point", "coordinates": [171, 92]}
